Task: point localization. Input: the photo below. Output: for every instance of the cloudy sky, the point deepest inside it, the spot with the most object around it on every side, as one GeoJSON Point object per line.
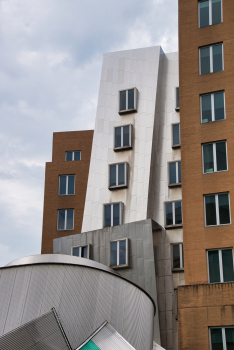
{"type": "Point", "coordinates": [50, 63]}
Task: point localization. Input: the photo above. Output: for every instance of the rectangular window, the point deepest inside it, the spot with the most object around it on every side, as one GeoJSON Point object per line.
{"type": "Point", "coordinates": [81, 251]}
{"type": "Point", "coordinates": [175, 135]}
{"type": "Point", "coordinates": [217, 211]}
{"type": "Point", "coordinates": [177, 99]}
{"type": "Point", "coordinates": [174, 174]}
{"type": "Point", "coordinates": [173, 214]}
{"type": "Point", "coordinates": [222, 338]}
{"type": "Point", "coordinates": [66, 184]}
{"type": "Point", "coordinates": [65, 219]}
{"type": "Point", "coordinates": [118, 176]}
{"type": "Point", "coordinates": [177, 256]}
{"type": "Point", "coordinates": [122, 137]}
{"type": "Point", "coordinates": [220, 265]}
{"type": "Point", "coordinates": [119, 253]}
{"type": "Point", "coordinates": [210, 12]}
{"type": "Point", "coordinates": [211, 59]}
{"type": "Point", "coordinates": [72, 155]}
{"type": "Point", "coordinates": [113, 214]}
{"type": "Point", "coordinates": [214, 157]}
{"type": "Point", "coordinates": [212, 107]}
{"type": "Point", "coordinates": [128, 101]}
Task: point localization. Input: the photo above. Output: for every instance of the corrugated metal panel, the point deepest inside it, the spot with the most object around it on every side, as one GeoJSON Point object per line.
{"type": "Point", "coordinates": [42, 333]}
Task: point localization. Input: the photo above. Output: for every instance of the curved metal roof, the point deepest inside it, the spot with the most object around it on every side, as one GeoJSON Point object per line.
{"type": "Point", "coordinates": [43, 259]}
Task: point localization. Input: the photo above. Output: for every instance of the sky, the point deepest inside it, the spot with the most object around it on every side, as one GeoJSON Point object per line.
{"type": "Point", "coordinates": [50, 65]}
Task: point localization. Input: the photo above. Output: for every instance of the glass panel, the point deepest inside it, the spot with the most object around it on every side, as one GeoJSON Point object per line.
{"type": "Point", "coordinates": [178, 213]}
{"type": "Point", "coordinates": [182, 255]}
{"type": "Point", "coordinates": [179, 172]}
{"type": "Point", "coordinates": [204, 13]}
{"type": "Point", "coordinates": [61, 219]}
{"type": "Point", "coordinates": [208, 159]}
{"type": "Point", "coordinates": [131, 99]}
{"type": "Point", "coordinates": [206, 108]}
{"type": "Point", "coordinates": [71, 184]}
{"type": "Point", "coordinates": [229, 338]}
{"type": "Point", "coordinates": [62, 185]}
{"type": "Point", "coordinates": [214, 271]}
{"type": "Point", "coordinates": [175, 134]}
{"type": "Point", "coordinates": [172, 173]}
{"type": "Point", "coordinates": [76, 251]}
{"type": "Point", "coordinates": [77, 155]}
{"type": "Point", "coordinates": [70, 214]}
{"type": "Point", "coordinates": [126, 136]}
{"type": "Point", "coordinates": [228, 274]}
{"type": "Point", "coordinates": [205, 60]}
{"type": "Point", "coordinates": [224, 209]}
{"type": "Point", "coordinates": [68, 156]}
{"type": "Point", "coordinates": [116, 217]}
{"type": "Point", "coordinates": [122, 252]}
{"type": "Point", "coordinates": [216, 339]}
{"type": "Point", "coordinates": [210, 210]}
{"type": "Point", "coordinates": [219, 105]}
{"type": "Point", "coordinates": [113, 253]}
{"type": "Point", "coordinates": [112, 175]}
{"type": "Point", "coordinates": [217, 57]}
{"type": "Point", "coordinates": [216, 11]}
{"type": "Point", "coordinates": [176, 256]}
{"type": "Point", "coordinates": [117, 137]}
{"type": "Point", "coordinates": [107, 215]}
{"type": "Point", "coordinates": [177, 98]}
{"type": "Point", "coordinates": [121, 175]}
{"type": "Point", "coordinates": [84, 252]}
{"type": "Point", "coordinates": [122, 102]}
{"type": "Point", "coordinates": [221, 156]}
{"type": "Point", "coordinates": [169, 216]}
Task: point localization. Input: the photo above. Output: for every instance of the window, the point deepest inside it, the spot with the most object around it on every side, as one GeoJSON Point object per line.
{"type": "Point", "coordinates": [122, 137]}
{"type": "Point", "coordinates": [113, 214]}
{"type": "Point", "coordinates": [66, 184]}
{"type": "Point", "coordinates": [65, 219]}
{"type": "Point", "coordinates": [220, 265]}
{"type": "Point", "coordinates": [119, 253]}
{"type": "Point", "coordinates": [128, 100]}
{"type": "Point", "coordinates": [177, 99]}
{"type": "Point", "coordinates": [81, 251]}
{"type": "Point", "coordinates": [214, 157]}
{"type": "Point", "coordinates": [222, 338]}
{"type": "Point", "coordinates": [212, 107]}
{"type": "Point", "coordinates": [173, 215]}
{"type": "Point", "coordinates": [174, 174]}
{"type": "Point", "coordinates": [211, 59]}
{"type": "Point", "coordinates": [118, 176]}
{"type": "Point", "coordinates": [217, 209]}
{"type": "Point", "coordinates": [175, 135]}
{"type": "Point", "coordinates": [177, 256]}
{"type": "Point", "coordinates": [73, 155]}
{"type": "Point", "coordinates": [210, 12]}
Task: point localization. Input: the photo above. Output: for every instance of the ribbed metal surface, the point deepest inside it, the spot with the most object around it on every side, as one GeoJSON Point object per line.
{"type": "Point", "coordinates": [83, 297]}
{"type": "Point", "coordinates": [42, 333]}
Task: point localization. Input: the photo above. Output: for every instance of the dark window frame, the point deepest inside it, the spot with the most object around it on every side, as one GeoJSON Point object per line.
{"type": "Point", "coordinates": [212, 106]}
{"type": "Point", "coordinates": [177, 183]}
{"type": "Point", "coordinates": [126, 171]}
{"type": "Point", "coordinates": [211, 58]}
{"type": "Point", "coordinates": [73, 156]}
{"type": "Point", "coordinates": [81, 246]}
{"type": "Point", "coordinates": [123, 148]}
{"type": "Point", "coordinates": [217, 208]}
{"type": "Point", "coordinates": [173, 214]}
{"type": "Point", "coordinates": [210, 14]}
{"type": "Point", "coordinates": [65, 221]}
{"type": "Point", "coordinates": [220, 263]}
{"type": "Point", "coordinates": [214, 157]}
{"type": "Point", "coordinates": [131, 110]}
{"type": "Point", "coordinates": [66, 194]}
{"type": "Point", "coordinates": [121, 211]}
{"type": "Point", "coordinates": [181, 248]}
{"type": "Point", "coordinates": [174, 146]}
{"type": "Point", "coordinates": [118, 266]}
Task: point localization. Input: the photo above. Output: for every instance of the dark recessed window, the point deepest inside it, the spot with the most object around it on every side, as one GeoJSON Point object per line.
{"type": "Point", "coordinates": [66, 184]}
{"type": "Point", "coordinates": [175, 135]}
{"type": "Point", "coordinates": [211, 59]}
{"type": "Point", "coordinates": [173, 213]}
{"type": "Point", "coordinates": [65, 219]}
{"type": "Point", "coordinates": [112, 214]}
{"type": "Point", "coordinates": [122, 137]}
{"type": "Point", "coordinates": [212, 107]}
{"type": "Point", "coordinates": [72, 155]}
{"type": "Point", "coordinates": [82, 251]}
{"type": "Point", "coordinates": [210, 12]}
{"type": "Point", "coordinates": [177, 256]}
{"type": "Point", "coordinates": [177, 99]}
{"type": "Point", "coordinates": [222, 338]}
{"type": "Point", "coordinates": [119, 253]}
{"type": "Point", "coordinates": [128, 100]}
{"type": "Point", "coordinates": [214, 157]}
{"type": "Point", "coordinates": [220, 265]}
{"type": "Point", "coordinates": [217, 211]}
{"type": "Point", "coordinates": [174, 173]}
{"type": "Point", "coordinates": [118, 175]}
